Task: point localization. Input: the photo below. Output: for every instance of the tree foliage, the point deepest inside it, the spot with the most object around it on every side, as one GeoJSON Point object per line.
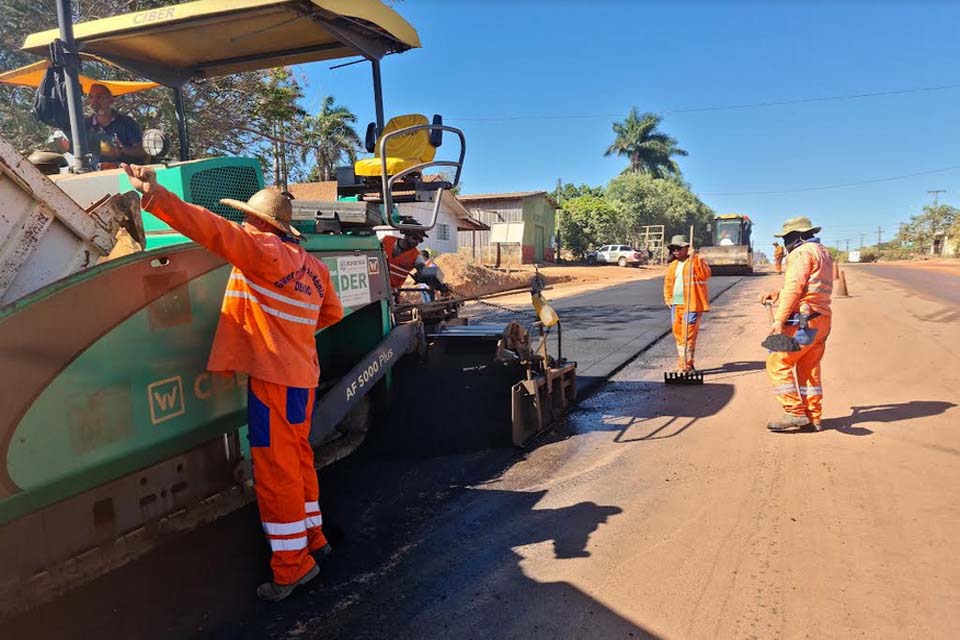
{"type": "Point", "coordinates": [249, 114]}
{"type": "Point", "coordinates": [644, 200]}
{"type": "Point", "coordinates": [589, 220]}
{"type": "Point", "coordinates": [649, 151]}
{"type": "Point", "coordinates": [933, 226]}
{"type": "Point", "coordinates": [330, 137]}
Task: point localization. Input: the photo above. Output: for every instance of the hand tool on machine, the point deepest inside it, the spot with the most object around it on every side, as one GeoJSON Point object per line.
{"type": "Point", "coordinates": [692, 376]}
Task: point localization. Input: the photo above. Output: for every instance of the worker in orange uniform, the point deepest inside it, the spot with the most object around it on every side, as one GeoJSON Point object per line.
{"type": "Point", "coordinates": [277, 298]}
{"type": "Point", "coordinates": [402, 255]}
{"type": "Point", "coordinates": [778, 255]}
{"type": "Point", "coordinates": [687, 304]}
{"type": "Point", "coordinates": [803, 311]}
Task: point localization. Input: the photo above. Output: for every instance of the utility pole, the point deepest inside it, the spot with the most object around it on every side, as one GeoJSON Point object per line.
{"type": "Point", "coordinates": [936, 195]}
{"type": "Point", "coordinates": [861, 240]}
{"type": "Point", "coordinates": [848, 245]}
{"type": "Point", "coordinates": [556, 258]}
{"type": "Point", "coordinates": [879, 235]}
{"type": "Point", "coordinates": [838, 246]}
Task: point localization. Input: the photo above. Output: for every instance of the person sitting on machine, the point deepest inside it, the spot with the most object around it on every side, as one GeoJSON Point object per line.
{"type": "Point", "coordinates": [118, 135]}
{"type": "Point", "coordinates": [403, 255]}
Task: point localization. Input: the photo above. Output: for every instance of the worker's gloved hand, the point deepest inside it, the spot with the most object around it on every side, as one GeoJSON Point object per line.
{"type": "Point", "coordinates": [770, 297]}
{"type": "Point", "coordinates": [143, 179]}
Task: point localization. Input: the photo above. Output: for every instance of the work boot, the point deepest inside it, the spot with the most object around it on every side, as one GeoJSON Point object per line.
{"type": "Point", "coordinates": [274, 592]}
{"type": "Point", "coordinates": [321, 552]}
{"type": "Point", "coordinates": [788, 421]}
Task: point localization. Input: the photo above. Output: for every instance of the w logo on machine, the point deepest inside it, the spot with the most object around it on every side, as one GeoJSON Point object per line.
{"type": "Point", "coordinates": [166, 399]}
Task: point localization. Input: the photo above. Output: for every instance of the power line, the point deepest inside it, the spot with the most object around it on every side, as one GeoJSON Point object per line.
{"type": "Point", "coordinates": [727, 107]}
{"type": "Point", "coordinates": [834, 186]}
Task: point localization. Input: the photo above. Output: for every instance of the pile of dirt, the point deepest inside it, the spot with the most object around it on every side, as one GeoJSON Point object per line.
{"type": "Point", "coordinates": [469, 279]}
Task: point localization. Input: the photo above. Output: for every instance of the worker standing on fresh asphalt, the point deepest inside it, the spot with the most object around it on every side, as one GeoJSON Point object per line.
{"type": "Point", "coordinates": [778, 254]}
{"type": "Point", "coordinates": [687, 305]}
{"type": "Point", "coordinates": [803, 311]}
{"type": "Point", "coordinates": [277, 298]}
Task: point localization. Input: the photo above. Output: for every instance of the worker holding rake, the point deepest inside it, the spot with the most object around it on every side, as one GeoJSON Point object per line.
{"type": "Point", "coordinates": [802, 312]}
{"type": "Point", "coordinates": [685, 292]}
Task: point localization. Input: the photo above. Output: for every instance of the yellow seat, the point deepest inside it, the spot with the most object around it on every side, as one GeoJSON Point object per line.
{"type": "Point", "coordinates": [403, 151]}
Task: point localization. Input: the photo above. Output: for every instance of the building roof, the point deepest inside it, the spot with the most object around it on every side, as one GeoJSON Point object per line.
{"type": "Point", "coordinates": [515, 195]}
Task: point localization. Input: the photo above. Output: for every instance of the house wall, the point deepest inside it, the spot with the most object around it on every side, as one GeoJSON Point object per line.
{"type": "Point", "coordinates": [539, 229]}
{"type": "Point", "coordinates": [443, 237]}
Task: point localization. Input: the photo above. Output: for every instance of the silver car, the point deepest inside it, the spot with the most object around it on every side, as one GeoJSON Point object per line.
{"type": "Point", "coordinates": [621, 254]}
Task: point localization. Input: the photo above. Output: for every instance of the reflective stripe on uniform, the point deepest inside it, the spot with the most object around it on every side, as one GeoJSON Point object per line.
{"type": "Point", "coordinates": [274, 294]}
{"type": "Point", "coordinates": [284, 528]}
{"type": "Point", "coordinates": [314, 521]}
{"type": "Point", "coordinates": [311, 507]}
{"type": "Point", "coordinates": [811, 391]}
{"type": "Point", "coordinates": [288, 544]}
{"type": "Point", "coordinates": [784, 388]}
{"type": "Point", "coordinates": [232, 293]}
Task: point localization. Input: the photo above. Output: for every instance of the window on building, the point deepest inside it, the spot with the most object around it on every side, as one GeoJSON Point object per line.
{"type": "Point", "coordinates": [443, 231]}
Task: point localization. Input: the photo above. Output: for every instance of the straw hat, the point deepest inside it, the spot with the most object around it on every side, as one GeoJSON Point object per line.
{"type": "Point", "coordinates": [270, 206]}
{"type": "Point", "coordinates": [801, 224]}
{"type": "Point", "coordinates": [678, 241]}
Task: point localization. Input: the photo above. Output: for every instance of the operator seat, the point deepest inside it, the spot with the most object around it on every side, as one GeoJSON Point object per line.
{"type": "Point", "coordinates": [403, 151]}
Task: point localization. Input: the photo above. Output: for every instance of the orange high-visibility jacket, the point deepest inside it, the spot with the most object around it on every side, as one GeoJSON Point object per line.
{"type": "Point", "coordinates": [778, 252]}
{"type": "Point", "coordinates": [697, 299]}
{"type": "Point", "coordinates": [400, 265]}
{"type": "Point", "coordinates": [277, 298]}
{"type": "Point", "coordinates": [808, 279]}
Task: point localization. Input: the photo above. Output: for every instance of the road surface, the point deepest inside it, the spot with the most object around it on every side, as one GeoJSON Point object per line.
{"type": "Point", "coordinates": [667, 512]}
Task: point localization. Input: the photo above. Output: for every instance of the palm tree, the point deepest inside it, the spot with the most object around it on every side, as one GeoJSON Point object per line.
{"type": "Point", "coordinates": [330, 136]}
{"type": "Point", "coordinates": [649, 151]}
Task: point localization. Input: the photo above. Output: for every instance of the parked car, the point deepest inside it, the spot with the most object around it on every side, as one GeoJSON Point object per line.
{"type": "Point", "coordinates": [621, 254]}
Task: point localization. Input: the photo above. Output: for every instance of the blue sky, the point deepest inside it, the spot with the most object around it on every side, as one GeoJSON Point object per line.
{"type": "Point", "coordinates": [517, 77]}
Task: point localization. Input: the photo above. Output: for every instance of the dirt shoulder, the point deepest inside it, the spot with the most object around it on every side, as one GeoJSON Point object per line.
{"type": "Point", "coordinates": [943, 264]}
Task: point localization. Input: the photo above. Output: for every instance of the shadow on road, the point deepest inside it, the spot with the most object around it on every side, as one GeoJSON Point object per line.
{"type": "Point", "coordinates": [471, 577]}
{"type": "Point", "coordinates": [886, 413]}
{"type": "Point", "coordinates": [880, 413]}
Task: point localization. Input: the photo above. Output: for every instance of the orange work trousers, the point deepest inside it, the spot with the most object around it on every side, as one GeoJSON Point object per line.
{"type": "Point", "coordinates": [693, 330]}
{"type": "Point", "coordinates": [801, 395]}
{"type": "Point", "coordinates": [284, 477]}
{"type": "Point", "coordinates": [779, 263]}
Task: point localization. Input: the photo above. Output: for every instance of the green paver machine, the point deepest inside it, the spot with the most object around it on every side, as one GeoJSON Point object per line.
{"type": "Point", "coordinates": [112, 433]}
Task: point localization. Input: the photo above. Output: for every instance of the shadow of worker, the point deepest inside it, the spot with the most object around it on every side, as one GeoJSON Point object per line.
{"type": "Point", "coordinates": [477, 576]}
{"type": "Point", "coordinates": [886, 413]}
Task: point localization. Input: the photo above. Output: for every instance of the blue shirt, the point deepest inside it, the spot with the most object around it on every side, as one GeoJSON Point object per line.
{"type": "Point", "coordinates": [122, 127]}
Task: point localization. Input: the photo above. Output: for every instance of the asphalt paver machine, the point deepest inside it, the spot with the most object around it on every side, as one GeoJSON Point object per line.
{"type": "Point", "coordinates": [113, 436]}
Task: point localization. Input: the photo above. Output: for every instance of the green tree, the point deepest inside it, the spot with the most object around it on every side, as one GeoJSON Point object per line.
{"type": "Point", "coordinates": [589, 220]}
{"type": "Point", "coordinates": [649, 151]}
{"type": "Point", "coordinates": [278, 112]}
{"type": "Point", "coordinates": [929, 229]}
{"type": "Point", "coordinates": [569, 191]}
{"type": "Point", "coordinates": [643, 200]}
{"type": "Point", "coordinates": [224, 113]}
{"type": "Point", "coordinates": [330, 138]}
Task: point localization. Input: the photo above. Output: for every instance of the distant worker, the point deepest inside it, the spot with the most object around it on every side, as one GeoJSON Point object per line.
{"type": "Point", "coordinates": [726, 240]}
{"type": "Point", "coordinates": [803, 311]}
{"type": "Point", "coordinates": [778, 255]}
{"type": "Point", "coordinates": [687, 304]}
{"type": "Point", "coordinates": [118, 135]}
{"type": "Point", "coordinates": [277, 298]}
{"type": "Point", "coordinates": [403, 255]}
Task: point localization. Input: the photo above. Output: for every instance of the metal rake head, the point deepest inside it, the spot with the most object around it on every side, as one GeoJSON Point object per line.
{"type": "Point", "coordinates": [683, 377]}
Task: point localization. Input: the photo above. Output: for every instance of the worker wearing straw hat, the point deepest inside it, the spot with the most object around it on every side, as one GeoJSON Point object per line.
{"type": "Point", "coordinates": [277, 298]}
{"type": "Point", "coordinates": [687, 303]}
{"type": "Point", "coordinates": [803, 311]}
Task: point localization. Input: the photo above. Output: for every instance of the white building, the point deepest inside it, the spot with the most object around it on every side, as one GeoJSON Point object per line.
{"type": "Point", "coordinates": [443, 238]}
